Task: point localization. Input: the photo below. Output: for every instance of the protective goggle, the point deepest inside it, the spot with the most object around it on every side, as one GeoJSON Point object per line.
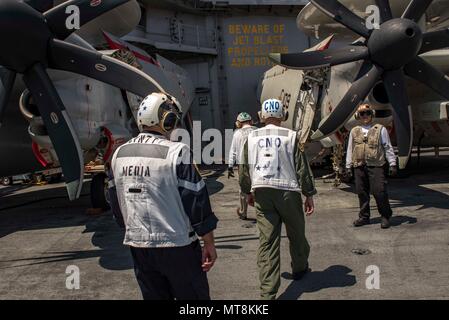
{"type": "Point", "coordinates": [368, 113]}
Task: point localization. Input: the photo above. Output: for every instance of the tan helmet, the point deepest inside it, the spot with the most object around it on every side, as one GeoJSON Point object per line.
{"type": "Point", "coordinates": [364, 108]}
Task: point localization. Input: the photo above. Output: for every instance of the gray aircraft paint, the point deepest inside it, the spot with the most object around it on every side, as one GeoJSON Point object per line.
{"type": "Point", "coordinates": [222, 89]}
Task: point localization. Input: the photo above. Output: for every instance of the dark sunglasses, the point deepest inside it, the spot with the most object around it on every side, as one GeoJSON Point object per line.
{"type": "Point", "coordinates": [366, 113]}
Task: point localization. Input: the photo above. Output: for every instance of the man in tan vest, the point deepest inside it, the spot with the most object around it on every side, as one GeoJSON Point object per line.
{"type": "Point", "coordinates": [369, 150]}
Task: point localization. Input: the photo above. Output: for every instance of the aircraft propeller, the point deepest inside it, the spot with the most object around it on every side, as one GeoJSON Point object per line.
{"type": "Point", "coordinates": [34, 42]}
{"type": "Point", "coordinates": [389, 53]}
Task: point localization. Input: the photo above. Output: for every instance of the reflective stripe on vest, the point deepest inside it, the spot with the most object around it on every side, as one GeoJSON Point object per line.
{"type": "Point", "coordinates": [147, 190]}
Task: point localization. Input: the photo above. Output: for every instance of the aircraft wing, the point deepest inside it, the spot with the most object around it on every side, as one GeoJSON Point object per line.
{"type": "Point", "coordinates": [316, 24]}
{"type": "Point", "coordinates": [298, 90]}
{"type": "Point", "coordinates": [173, 79]}
{"type": "Point", "coordinates": [119, 22]}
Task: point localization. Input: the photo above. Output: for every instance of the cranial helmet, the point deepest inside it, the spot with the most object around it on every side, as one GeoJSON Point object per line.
{"type": "Point", "coordinates": [272, 108]}
{"type": "Point", "coordinates": [244, 117]}
{"type": "Point", "coordinates": [159, 109]}
{"type": "Point", "coordinates": [364, 108]}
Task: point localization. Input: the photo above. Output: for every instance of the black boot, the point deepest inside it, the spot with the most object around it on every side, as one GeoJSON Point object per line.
{"type": "Point", "coordinates": [299, 275]}
{"type": "Point", "coordinates": [361, 222]}
{"type": "Point", "coordinates": [385, 223]}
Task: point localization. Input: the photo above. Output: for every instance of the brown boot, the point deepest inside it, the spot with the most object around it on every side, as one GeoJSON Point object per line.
{"type": "Point", "coordinates": [385, 223]}
{"type": "Point", "coordinates": [241, 215]}
{"type": "Point", "coordinates": [361, 222]}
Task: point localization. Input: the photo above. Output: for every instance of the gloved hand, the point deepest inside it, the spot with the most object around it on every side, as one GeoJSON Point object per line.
{"type": "Point", "coordinates": [349, 174]}
{"type": "Point", "coordinates": [393, 171]}
{"type": "Point", "coordinates": [230, 172]}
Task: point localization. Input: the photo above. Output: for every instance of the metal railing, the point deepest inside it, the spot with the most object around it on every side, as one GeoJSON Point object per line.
{"type": "Point", "coordinates": [192, 35]}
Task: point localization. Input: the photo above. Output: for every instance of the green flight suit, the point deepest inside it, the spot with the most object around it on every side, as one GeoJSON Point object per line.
{"type": "Point", "coordinates": [273, 207]}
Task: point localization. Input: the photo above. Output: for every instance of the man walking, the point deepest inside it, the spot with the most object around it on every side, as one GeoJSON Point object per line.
{"type": "Point", "coordinates": [276, 169]}
{"type": "Point", "coordinates": [369, 149]}
{"type": "Point", "coordinates": [160, 198]}
{"type": "Point", "coordinates": [244, 128]}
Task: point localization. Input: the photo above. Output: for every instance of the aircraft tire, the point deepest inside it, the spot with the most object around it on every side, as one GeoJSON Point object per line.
{"type": "Point", "coordinates": [7, 181]}
{"type": "Point", "coordinates": [98, 192]}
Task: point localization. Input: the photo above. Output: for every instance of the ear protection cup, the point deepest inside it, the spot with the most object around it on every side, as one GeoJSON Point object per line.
{"type": "Point", "coordinates": [169, 121]}
{"type": "Point", "coordinates": [169, 116]}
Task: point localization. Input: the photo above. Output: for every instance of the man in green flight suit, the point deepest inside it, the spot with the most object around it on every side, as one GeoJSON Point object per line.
{"type": "Point", "coordinates": [276, 170]}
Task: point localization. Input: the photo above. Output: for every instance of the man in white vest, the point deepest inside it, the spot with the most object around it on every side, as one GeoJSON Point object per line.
{"type": "Point", "coordinates": [244, 128]}
{"type": "Point", "coordinates": [369, 150]}
{"type": "Point", "coordinates": [276, 170]}
{"type": "Point", "coordinates": [158, 195]}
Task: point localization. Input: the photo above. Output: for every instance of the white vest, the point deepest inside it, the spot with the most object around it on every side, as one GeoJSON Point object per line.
{"type": "Point", "coordinates": [271, 158]}
{"type": "Point", "coordinates": [147, 189]}
{"type": "Point", "coordinates": [238, 141]}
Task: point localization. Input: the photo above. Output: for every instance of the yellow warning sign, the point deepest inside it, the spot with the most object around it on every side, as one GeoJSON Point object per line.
{"type": "Point", "coordinates": [251, 44]}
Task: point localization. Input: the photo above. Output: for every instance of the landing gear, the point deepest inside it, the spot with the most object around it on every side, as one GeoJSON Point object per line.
{"type": "Point", "coordinates": [55, 178]}
{"type": "Point", "coordinates": [7, 181]}
{"type": "Point", "coordinates": [338, 173]}
{"type": "Point", "coordinates": [98, 189]}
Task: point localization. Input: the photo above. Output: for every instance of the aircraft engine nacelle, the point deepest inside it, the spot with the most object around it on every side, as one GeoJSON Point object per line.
{"type": "Point", "coordinates": [112, 137]}
{"type": "Point", "coordinates": [98, 114]}
{"type": "Point", "coordinates": [41, 144]}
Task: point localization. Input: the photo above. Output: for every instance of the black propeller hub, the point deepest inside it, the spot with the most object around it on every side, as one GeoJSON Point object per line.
{"type": "Point", "coordinates": [395, 44]}
{"type": "Point", "coordinates": [24, 35]}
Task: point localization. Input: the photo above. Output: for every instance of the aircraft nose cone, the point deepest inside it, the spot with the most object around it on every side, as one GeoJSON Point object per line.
{"type": "Point", "coordinates": [24, 36]}
{"type": "Point", "coordinates": [396, 43]}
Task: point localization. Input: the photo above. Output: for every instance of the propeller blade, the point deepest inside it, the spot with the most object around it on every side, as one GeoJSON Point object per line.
{"type": "Point", "coordinates": [40, 5]}
{"type": "Point", "coordinates": [425, 73]}
{"type": "Point", "coordinates": [59, 127]}
{"type": "Point", "coordinates": [69, 57]}
{"type": "Point", "coordinates": [7, 79]}
{"type": "Point", "coordinates": [394, 82]}
{"type": "Point", "coordinates": [348, 105]}
{"type": "Point", "coordinates": [319, 59]}
{"type": "Point", "coordinates": [435, 40]}
{"type": "Point", "coordinates": [88, 9]}
{"type": "Point", "coordinates": [343, 15]}
{"type": "Point", "coordinates": [385, 10]}
{"type": "Point", "coordinates": [416, 9]}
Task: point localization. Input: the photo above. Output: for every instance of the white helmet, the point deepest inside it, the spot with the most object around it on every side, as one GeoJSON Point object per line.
{"type": "Point", "coordinates": [159, 109]}
{"type": "Point", "coordinates": [272, 108]}
{"type": "Point", "coordinates": [244, 117]}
